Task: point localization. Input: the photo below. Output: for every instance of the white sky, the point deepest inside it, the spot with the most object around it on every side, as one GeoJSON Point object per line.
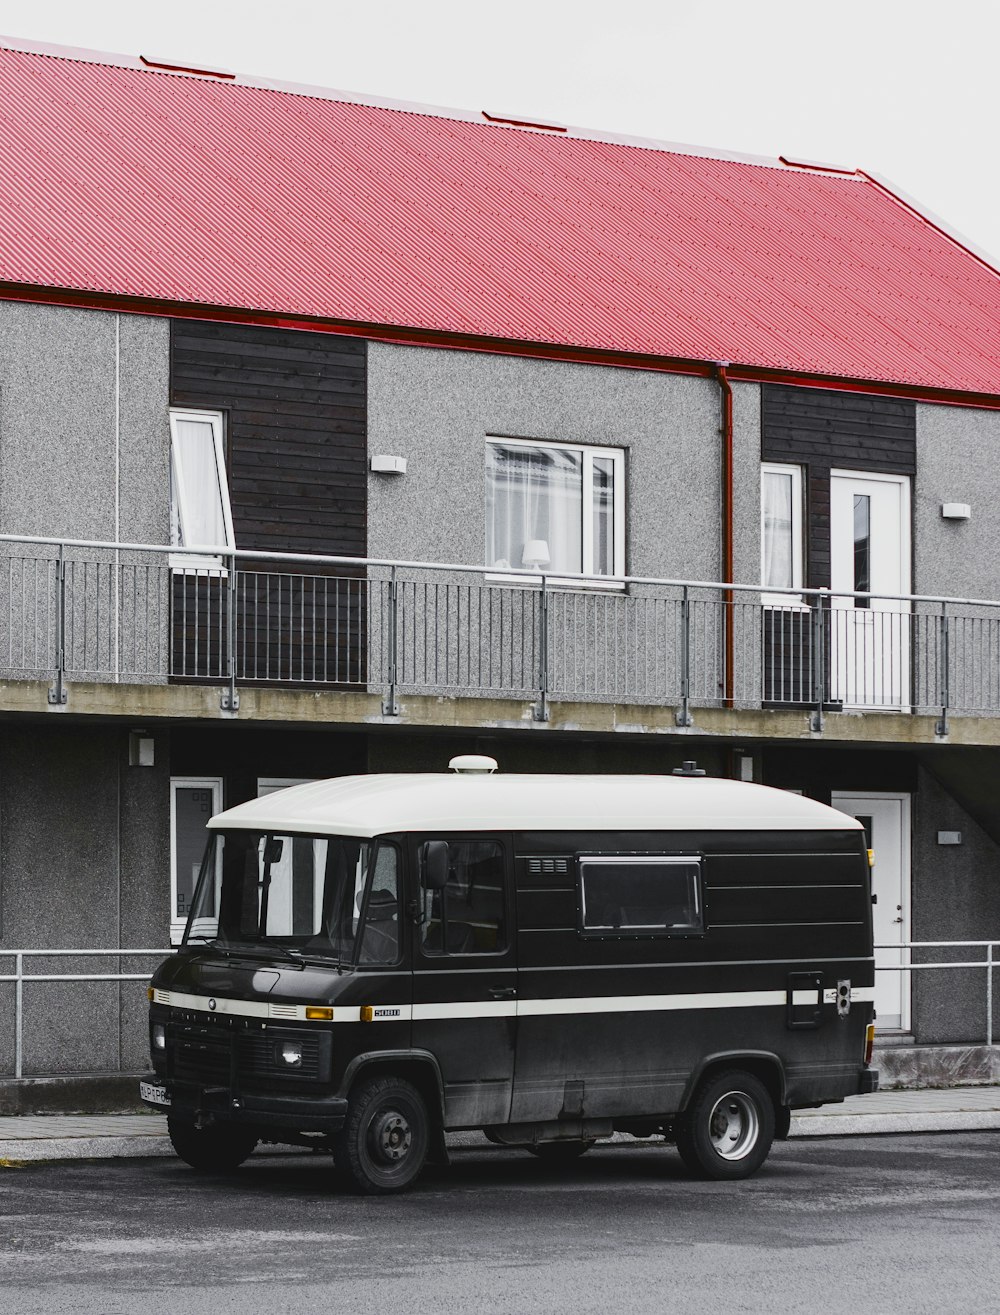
{"type": "Point", "coordinates": [905, 89]}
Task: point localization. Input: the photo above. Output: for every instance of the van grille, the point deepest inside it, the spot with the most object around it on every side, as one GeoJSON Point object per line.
{"type": "Point", "coordinates": [205, 1054]}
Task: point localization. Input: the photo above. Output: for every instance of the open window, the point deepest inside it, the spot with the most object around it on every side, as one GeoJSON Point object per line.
{"type": "Point", "coordinates": [781, 533]}
{"type": "Point", "coordinates": [200, 513]}
{"type": "Point", "coordinates": [556, 508]}
{"type": "Point", "coordinates": [640, 895]}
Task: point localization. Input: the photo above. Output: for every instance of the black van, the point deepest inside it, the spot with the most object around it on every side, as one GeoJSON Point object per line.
{"type": "Point", "coordinates": [373, 961]}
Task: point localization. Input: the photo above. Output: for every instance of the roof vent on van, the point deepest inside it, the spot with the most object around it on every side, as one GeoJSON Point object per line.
{"type": "Point", "coordinates": [473, 764]}
{"type": "Point", "coordinates": [689, 768]}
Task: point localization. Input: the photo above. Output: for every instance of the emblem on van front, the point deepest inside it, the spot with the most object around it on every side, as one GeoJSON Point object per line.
{"type": "Point", "coordinates": [211, 1003]}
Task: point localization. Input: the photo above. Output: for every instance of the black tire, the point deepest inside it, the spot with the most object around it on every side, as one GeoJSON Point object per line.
{"type": "Point", "coordinates": [383, 1145]}
{"type": "Point", "coordinates": [560, 1152]}
{"type": "Point", "coordinates": [216, 1149]}
{"type": "Point", "coordinates": [727, 1130]}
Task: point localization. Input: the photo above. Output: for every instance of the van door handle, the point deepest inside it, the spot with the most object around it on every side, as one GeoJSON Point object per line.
{"type": "Point", "coordinates": [503, 992]}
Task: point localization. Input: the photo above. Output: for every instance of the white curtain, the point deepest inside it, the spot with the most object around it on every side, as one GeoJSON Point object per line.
{"type": "Point", "coordinates": [777, 528]}
{"type": "Point", "coordinates": [534, 494]}
{"type": "Point", "coordinates": [198, 517]}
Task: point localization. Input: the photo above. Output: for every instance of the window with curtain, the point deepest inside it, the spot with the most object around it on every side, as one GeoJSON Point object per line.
{"type": "Point", "coordinates": [199, 491]}
{"type": "Point", "coordinates": [781, 528]}
{"type": "Point", "coordinates": [554, 508]}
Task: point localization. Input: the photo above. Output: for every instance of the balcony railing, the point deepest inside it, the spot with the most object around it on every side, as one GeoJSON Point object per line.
{"type": "Point", "coordinates": [134, 613]}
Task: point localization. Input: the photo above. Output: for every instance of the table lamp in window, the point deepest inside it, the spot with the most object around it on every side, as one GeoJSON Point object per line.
{"type": "Point", "coordinates": [535, 554]}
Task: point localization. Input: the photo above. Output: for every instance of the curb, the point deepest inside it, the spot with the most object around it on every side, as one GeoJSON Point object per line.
{"type": "Point", "coordinates": [38, 1149]}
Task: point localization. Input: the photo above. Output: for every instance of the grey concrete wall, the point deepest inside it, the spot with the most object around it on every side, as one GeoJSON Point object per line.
{"type": "Point", "coordinates": [84, 863]}
{"type": "Point", "coordinates": [62, 424]}
{"type": "Point", "coordinates": [436, 408]}
{"type": "Point", "coordinates": [955, 896]}
{"type": "Point", "coordinates": [958, 460]}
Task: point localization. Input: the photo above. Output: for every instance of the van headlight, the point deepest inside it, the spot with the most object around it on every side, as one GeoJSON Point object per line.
{"type": "Point", "coordinates": [290, 1054]}
{"type": "Point", "coordinates": [159, 1036]}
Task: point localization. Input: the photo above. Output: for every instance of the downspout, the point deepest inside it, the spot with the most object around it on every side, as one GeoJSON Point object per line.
{"type": "Point", "coordinates": [726, 431]}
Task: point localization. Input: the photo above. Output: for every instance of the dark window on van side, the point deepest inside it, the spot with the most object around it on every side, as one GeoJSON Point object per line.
{"type": "Point", "coordinates": [468, 915]}
{"type": "Point", "coordinates": [640, 894]}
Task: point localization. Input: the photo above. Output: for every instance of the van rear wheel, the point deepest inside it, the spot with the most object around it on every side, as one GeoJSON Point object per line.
{"type": "Point", "coordinates": [216, 1149]}
{"type": "Point", "coordinates": [727, 1130]}
{"type": "Point", "coordinates": [383, 1145]}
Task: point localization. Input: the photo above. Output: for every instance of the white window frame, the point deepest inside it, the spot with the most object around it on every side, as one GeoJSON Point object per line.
{"type": "Point", "coordinates": [588, 580]}
{"type": "Point", "coordinates": [183, 560]}
{"type": "Point", "coordinates": [213, 783]}
{"type": "Point", "coordinates": [794, 601]}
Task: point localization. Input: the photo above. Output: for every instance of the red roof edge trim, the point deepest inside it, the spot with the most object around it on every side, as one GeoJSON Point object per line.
{"type": "Point", "coordinates": [931, 220]}
{"type": "Point", "coordinates": [410, 337]}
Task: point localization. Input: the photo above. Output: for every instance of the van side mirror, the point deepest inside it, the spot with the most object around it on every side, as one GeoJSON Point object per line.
{"type": "Point", "coordinates": [272, 849]}
{"type": "Point", "coordinates": [434, 864]}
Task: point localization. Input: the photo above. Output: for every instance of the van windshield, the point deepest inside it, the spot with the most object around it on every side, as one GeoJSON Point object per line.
{"type": "Point", "coordinates": [303, 894]}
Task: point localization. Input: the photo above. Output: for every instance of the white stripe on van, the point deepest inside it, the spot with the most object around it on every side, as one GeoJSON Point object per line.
{"type": "Point", "coordinates": [456, 1009]}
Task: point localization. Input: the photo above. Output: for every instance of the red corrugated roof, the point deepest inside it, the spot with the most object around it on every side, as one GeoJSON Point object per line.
{"type": "Point", "coordinates": [122, 180]}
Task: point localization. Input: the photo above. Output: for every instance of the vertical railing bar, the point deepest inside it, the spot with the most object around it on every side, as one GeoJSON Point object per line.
{"type": "Point", "coordinates": [942, 726]}
{"type": "Point", "coordinates": [389, 707]}
{"type": "Point", "coordinates": [57, 693]}
{"type": "Point", "coordinates": [683, 716]}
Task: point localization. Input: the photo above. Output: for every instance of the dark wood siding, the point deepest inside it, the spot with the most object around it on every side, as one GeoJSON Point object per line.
{"type": "Point", "coordinates": [821, 431]}
{"type": "Point", "coordinates": [296, 411]}
{"type": "Point", "coordinates": [295, 407]}
{"type": "Point", "coordinates": [824, 431]}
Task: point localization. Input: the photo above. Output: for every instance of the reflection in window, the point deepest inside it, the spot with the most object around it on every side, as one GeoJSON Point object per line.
{"type": "Point", "coordinates": [193, 802]}
{"type": "Point", "coordinates": [778, 530]}
{"type": "Point", "coordinates": [644, 895]}
{"type": "Point", "coordinates": [553, 508]}
{"type": "Point", "coordinates": [468, 915]}
{"type": "Point", "coordinates": [862, 548]}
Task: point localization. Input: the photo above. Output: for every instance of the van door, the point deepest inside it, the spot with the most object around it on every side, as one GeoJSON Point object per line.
{"type": "Point", "coordinates": [465, 975]}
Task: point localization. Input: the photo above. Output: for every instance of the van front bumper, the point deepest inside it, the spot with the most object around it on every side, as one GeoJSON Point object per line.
{"type": "Point", "coordinates": [206, 1105]}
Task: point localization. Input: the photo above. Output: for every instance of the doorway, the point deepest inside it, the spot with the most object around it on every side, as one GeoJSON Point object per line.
{"type": "Point", "coordinates": [886, 819]}
{"type": "Point", "coordinates": [870, 557]}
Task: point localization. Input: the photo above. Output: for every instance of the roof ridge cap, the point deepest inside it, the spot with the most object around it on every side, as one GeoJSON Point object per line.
{"type": "Point", "coordinates": [478, 118]}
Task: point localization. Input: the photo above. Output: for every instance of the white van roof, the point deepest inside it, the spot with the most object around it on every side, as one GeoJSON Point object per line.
{"type": "Point", "coordinates": [367, 806]}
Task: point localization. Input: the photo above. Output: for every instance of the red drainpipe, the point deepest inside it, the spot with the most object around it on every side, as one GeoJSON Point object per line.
{"type": "Point", "coordinates": [727, 524]}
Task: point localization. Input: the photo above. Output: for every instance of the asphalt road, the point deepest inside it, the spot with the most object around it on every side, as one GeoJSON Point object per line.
{"type": "Point", "coordinates": [877, 1224]}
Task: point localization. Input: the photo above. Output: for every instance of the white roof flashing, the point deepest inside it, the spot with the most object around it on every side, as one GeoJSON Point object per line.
{"type": "Point", "coordinates": [367, 806]}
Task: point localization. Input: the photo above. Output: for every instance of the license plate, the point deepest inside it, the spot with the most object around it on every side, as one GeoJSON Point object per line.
{"type": "Point", "coordinates": [155, 1095]}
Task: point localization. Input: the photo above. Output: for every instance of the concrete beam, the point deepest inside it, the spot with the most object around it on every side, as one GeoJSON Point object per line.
{"type": "Point", "coordinates": [360, 709]}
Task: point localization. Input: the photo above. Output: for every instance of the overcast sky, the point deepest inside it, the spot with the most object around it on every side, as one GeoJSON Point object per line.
{"type": "Point", "coordinates": [908, 90]}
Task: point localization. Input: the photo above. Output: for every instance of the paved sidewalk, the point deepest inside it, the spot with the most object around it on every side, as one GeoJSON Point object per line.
{"type": "Point", "coordinates": [111, 1136]}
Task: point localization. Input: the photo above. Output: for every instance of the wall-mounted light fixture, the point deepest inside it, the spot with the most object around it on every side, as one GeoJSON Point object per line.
{"type": "Point", "coordinates": [956, 511]}
{"type": "Point", "coordinates": [383, 464]}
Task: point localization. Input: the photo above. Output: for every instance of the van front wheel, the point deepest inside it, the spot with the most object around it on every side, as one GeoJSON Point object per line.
{"type": "Point", "coordinates": [383, 1144]}
{"type": "Point", "coordinates": [727, 1130]}
{"type": "Point", "coordinates": [216, 1149]}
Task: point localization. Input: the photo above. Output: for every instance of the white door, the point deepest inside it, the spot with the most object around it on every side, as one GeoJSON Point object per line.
{"type": "Point", "coordinates": [886, 819]}
{"type": "Point", "coordinates": [870, 556]}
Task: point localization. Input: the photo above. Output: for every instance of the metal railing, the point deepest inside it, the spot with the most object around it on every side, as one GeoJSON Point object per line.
{"type": "Point", "coordinates": [119, 612]}
{"type": "Point", "coordinates": [986, 965]}
{"type": "Point", "coordinates": [19, 978]}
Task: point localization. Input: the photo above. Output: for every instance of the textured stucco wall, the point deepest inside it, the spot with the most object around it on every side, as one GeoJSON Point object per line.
{"type": "Point", "coordinates": [84, 863]}
{"type": "Point", "coordinates": [955, 896]}
{"type": "Point", "coordinates": [62, 426]}
{"type": "Point", "coordinates": [958, 460]}
{"type": "Point", "coordinates": [437, 407]}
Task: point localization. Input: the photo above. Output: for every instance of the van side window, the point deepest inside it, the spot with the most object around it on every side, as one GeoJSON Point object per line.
{"type": "Point", "coordinates": [467, 916]}
{"type": "Point", "coordinates": [640, 894]}
{"type": "Point", "coordinates": [380, 940]}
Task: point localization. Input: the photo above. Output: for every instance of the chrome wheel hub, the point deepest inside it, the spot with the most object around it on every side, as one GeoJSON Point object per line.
{"type": "Point", "coordinates": [390, 1136]}
{"type": "Point", "coordinates": [734, 1126]}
